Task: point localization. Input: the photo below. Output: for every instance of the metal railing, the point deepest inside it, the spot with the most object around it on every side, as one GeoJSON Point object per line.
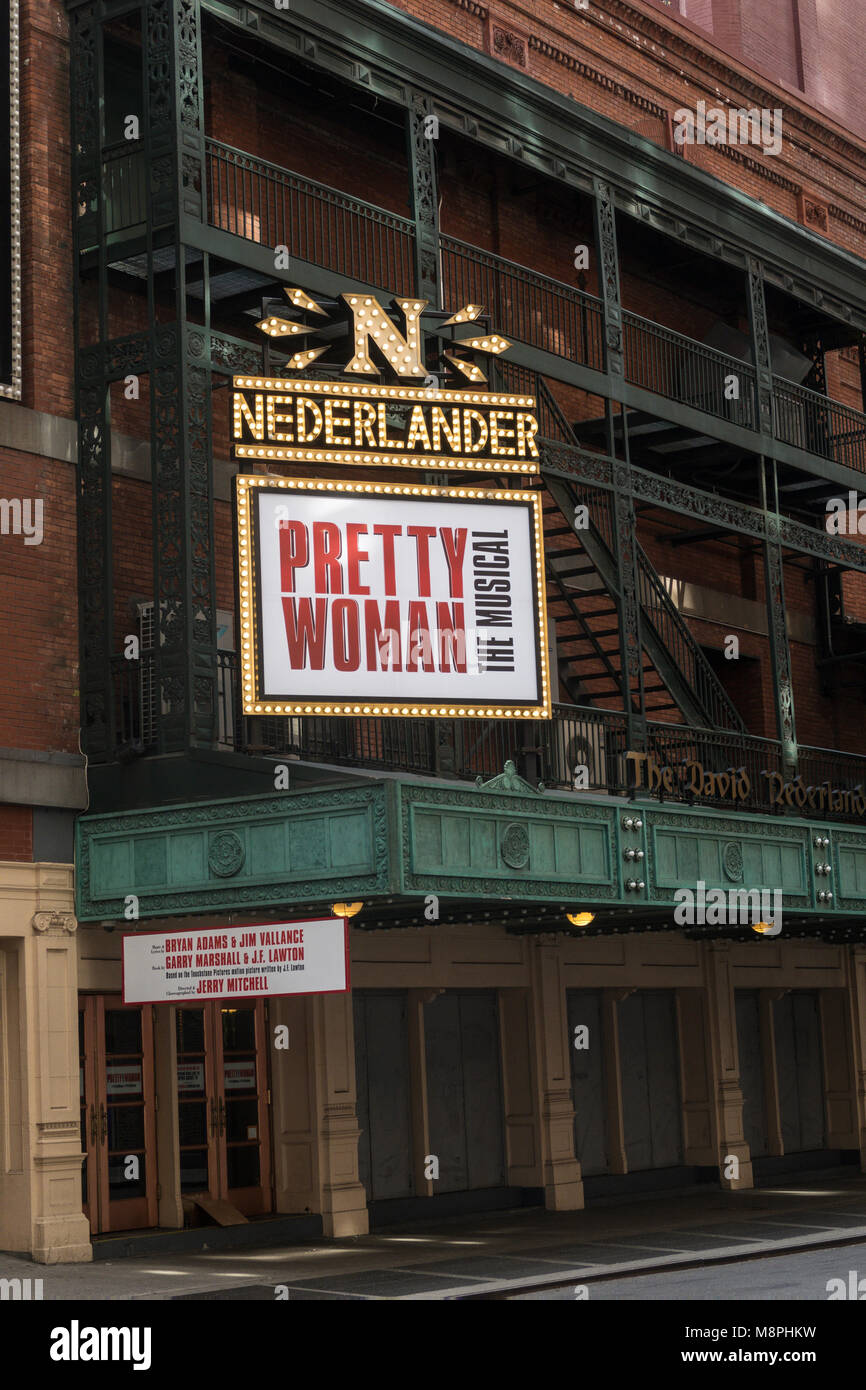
{"type": "Point", "coordinates": [124, 182]}
{"type": "Point", "coordinates": [576, 737]}
{"type": "Point", "coordinates": [715, 751]}
{"type": "Point", "coordinates": [818, 765]}
{"type": "Point", "coordinates": [263, 202]}
{"type": "Point", "coordinates": [668, 364]}
{"type": "Point", "coordinates": [659, 608]}
{"type": "Point", "coordinates": [526, 306]}
{"type": "Point", "coordinates": [818, 425]}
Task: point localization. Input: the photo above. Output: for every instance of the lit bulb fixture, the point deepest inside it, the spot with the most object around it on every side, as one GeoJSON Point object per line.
{"type": "Point", "coordinates": [346, 909]}
{"type": "Point", "coordinates": [493, 344]}
{"type": "Point", "coordinates": [303, 301]}
{"type": "Point", "coordinates": [468, 369]}
{"type": "Point", "coordinates": [303, 359]}
{"type": "Point", "coordinates": [281, 328]}
{"type": "Point", "coordinates": [580, 919]}
{"type": "Point", "coordinates": [761, 927]}
{"type": "Point", "coordinates": [464, 315]}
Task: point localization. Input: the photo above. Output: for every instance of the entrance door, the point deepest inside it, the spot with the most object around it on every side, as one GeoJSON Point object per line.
{"type": "Point", "coordinates": [799, 1071]}
{"type": "Point", "coordinates": [649, 1058]}
{"type": "Point", "coordinates": [747, 1003]}
{"type": "Point", "coordinates": [223, 1098]}
{"type": "Point", "coordinates": [464, 1090]}
{"type": "Point", "coordinates": [588, 1081]}
{"type": "Point", "coordinates": [382, 1072]}
{"type": "Point", "coordinates": [118, 1130]}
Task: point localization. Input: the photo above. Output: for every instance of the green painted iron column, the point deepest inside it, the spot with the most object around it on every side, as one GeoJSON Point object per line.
{"type": "Point", "coordinates": [422, 128]}
{"type": "Point", "coordinates": [627, 593]}
{"type": "Point", "coordinates": [184, 651]}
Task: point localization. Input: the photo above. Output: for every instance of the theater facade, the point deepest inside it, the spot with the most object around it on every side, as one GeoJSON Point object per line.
{"type": "Point", "coordinates": [471, 690]}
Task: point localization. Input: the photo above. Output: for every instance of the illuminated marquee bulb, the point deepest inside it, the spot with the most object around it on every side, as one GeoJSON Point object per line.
{"type": "Point", "coordinates": [303, 359]}
{"type": "Point", "coordinates": [493, 344]}
{"type": "Point", "coordinates": [281, 328]}
{"type": "Point", "coordinates": [464, 315]}
{"type": "Point", "coordinates": [468, 369]}
{"type": "Point", "coordinates": [303, 301]}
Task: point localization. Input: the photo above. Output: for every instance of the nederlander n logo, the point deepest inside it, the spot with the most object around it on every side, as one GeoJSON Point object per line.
{"type": "Point", "coordinates": [417, 425]}
{"type": "Point", "coordinates": [77, 1343]}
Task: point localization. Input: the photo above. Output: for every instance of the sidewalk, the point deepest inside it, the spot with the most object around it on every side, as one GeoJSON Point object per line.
{"type": "Point", "coordinates": [472, 1255]}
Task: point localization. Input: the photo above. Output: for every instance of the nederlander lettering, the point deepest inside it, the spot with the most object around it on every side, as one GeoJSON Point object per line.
{"type": "Point", "coordinates": [328, 422]}
{"type": "Point", "coordinates": [734, 785]}
{"type": "Point", "coordinates": [850, 801]}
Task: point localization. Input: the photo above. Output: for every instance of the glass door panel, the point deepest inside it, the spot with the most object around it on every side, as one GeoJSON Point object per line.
{"type": "Point", "coordinates": [195, 1101]}
{"type": "Point", "coordinates": [222, 1100]}
{"type": "Point", "coordinates": [117, 1114]}
{"type": "Point", "coordinates": [242, 1112]}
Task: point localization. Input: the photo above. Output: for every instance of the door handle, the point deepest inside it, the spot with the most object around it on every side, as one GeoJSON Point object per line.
{"type": "Point", "coordinates": [93, 1124]}
{"type": "Point", "coordinates": [222, 1115]}
{"type": "Point", "coordinates": [103, 1126]}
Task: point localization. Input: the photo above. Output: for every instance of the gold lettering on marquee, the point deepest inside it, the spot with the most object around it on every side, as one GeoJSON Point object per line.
{"type": "Point", "coordinates": [371, 324]}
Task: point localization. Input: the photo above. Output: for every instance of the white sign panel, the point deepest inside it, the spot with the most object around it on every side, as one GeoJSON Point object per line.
{"type": "Point", "coordinates": [240, 1076]}
{"type": "Point", "coordinates": [190, 1076]}
{"type": "Point", "coordinates": [355, 602]}
{"type": "Point", "coordinates": [308, 957]}
{"type": "Point", "coordinates": [123, 1079]}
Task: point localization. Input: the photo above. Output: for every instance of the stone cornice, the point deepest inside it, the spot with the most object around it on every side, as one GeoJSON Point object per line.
{"type": "Point", "coordinates": [707, 66]}
{"type": "Point", "coordinates": [578, 65]}
{"type": "Point", "coordinates": [703, 53]}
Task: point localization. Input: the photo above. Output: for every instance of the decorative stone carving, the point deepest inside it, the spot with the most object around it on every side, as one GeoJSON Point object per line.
{"type": "Point", "coordinates": [514, 846]}
{"type": "Point", "coordinates": [813, 212]}
{"type": "Point", "coordinates": [54, 922]}
{"type": "Point", "coordinates": [509, 780]}
{"type": "Point", "coordinates": [226, 854]}
{"type": "Point", "coordinates": [732, 862]}
{"type": "Point", "coordinates": [508, 43]}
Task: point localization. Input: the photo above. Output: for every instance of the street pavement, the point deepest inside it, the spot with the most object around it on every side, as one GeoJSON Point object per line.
{"type": "Point", "coordinates": [804, 1275]}
{"type": "Point", "coordinates": [647, 1239]}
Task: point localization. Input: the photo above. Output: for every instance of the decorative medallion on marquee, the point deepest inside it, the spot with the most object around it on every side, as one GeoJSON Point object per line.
{"type": "Point", "coordinates": [732, 861]}
{"type": "Point", "coordinates": [417, 425]}
{"type": "Point", "coordinates": [226, 854]}
{"type": "Point", "coordinates": [515, 846]}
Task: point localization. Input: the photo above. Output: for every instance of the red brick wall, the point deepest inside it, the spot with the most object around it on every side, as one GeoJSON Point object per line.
{"type": "Point", "coordinates": [635, 58]}
{"type": "Point", "coordinates": [46, 218]}
{"type": "Point", "coordinates": [16, 833]}
{"type": "Point", "coordinates": [38, 614]}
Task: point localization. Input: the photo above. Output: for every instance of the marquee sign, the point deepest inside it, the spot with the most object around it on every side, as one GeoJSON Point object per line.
{"type": "Point", "coordinates": [404, 426]}
{"type": "Point", "coordinates": [361, 598]}
{"type": "Point", "coordinates": [10, 206]}
{"type": "Point", "coordinates": [246, 962]}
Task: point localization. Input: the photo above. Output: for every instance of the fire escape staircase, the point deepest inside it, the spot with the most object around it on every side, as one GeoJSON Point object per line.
{"type": "Point", "coordinates": [584, 600]}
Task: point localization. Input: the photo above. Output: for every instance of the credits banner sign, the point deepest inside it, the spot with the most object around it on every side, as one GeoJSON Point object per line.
{"type": "Point", "coordinates": [378, 599]}
{"type": "Point", "coordinates": [264, 958]}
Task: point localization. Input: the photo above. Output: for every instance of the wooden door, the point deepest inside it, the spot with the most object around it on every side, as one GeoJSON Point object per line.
{"type": "Point", "coordinates": [118, 1125]}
